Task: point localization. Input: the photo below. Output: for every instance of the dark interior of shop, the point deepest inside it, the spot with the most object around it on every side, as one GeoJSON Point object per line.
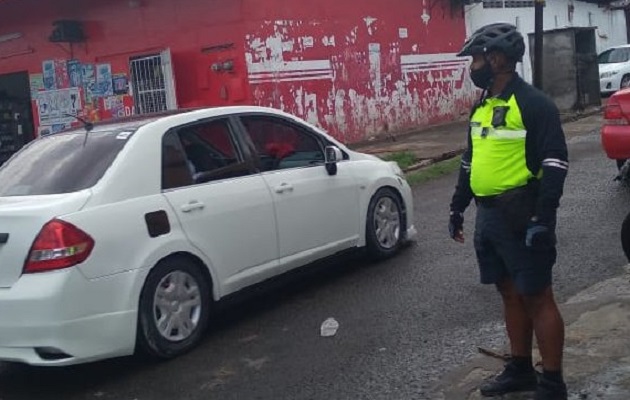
{"type": "Point", "coordinates": [16, 116]}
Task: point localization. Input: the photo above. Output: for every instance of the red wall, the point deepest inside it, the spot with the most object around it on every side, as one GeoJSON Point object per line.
{"type": "Point", "coordinates": [346, 68]}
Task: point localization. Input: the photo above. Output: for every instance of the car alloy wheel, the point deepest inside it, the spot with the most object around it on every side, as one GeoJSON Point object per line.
{"type": "Point", "coordinates": [385, 224]}
{"type": "Point", "coordinates": [174, 308]}
{"type": "Point", "coordinates": [177, 306]}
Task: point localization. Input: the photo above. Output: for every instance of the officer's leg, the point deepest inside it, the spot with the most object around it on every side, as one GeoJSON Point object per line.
{"type": "Point", "coordinates": [517, 320]}
{"type": "Point", "coordinates": [548, 326]}
{"type": "Point", "coordinates": [533, 282]}
{"type": "Point", "coordinates": [518, 374]}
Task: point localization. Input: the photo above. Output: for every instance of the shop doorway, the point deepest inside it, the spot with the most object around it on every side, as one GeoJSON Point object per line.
{"type": "Point", "coordinates": [16, 114]}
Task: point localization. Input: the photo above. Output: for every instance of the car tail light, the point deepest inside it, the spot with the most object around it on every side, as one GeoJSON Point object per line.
{"type": "Point", "coordinates": [614, 115]}
{"type": "Point", "coordinates": [58, 245]}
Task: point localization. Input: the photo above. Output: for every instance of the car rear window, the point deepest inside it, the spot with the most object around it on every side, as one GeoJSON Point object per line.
{"type": "Point", "coordinates": [61, 163]}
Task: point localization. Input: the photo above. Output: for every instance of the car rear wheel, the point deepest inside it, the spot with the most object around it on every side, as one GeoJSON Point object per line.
{"type": "Point", "coordinates": [625, 82]}
{"type": "Point", "coordinates": [385, 224]}
{"type": "Point", "coordinates": [174, 309]}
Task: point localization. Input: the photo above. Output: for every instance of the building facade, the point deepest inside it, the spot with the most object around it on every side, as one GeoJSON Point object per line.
{"type": "Point", "coordinates": [356, 70]}
{"type": "Point", "coordinates": [610, 23]}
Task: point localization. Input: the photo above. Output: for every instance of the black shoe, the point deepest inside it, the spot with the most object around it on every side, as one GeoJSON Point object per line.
{"type": "Point", "coordinates": [512, 379]}
{"type": "Point", "coordinates": [551, 390]}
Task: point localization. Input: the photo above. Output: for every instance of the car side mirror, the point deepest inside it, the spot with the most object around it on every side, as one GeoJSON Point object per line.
{"type": "Point", "coordinates": [332, 156]}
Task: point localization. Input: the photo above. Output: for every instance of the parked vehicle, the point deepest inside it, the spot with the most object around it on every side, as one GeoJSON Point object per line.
{"type": "Point", "coordinates": [614, 69]}
{"type": "Point", "coordinates": [120, 239]}
{"type": "Point", "coordinates": [615, 133]}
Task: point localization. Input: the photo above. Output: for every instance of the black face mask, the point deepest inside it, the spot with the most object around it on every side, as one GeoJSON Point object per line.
{"type": "Point", "coordinates": [482, 77]}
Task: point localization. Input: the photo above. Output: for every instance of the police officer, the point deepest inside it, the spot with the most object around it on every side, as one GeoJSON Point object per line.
{"type": "Point", "coordinates": [514, 168]}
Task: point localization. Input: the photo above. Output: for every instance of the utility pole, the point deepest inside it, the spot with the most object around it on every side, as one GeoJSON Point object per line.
{"type": "Point", "coordinates": [538, 44]}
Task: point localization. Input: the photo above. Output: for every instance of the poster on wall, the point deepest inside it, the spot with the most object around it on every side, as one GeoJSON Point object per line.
{"type": "Point", "coordinates": [116, 107]}
{"type": "Point", "coordinates": [75, 73]}
{"type": "Point", "coordinates": [89, 81]}
{"type": "Point", "coordinates": [62, 80]}
{"type": "Point", "coordinates": [120, 83]}
{"type": "Point", "coordinates": [104, 80]}
{"type": "Point", "coordinates": [36, 82]}
{"type": "Point", "coordinates": [57, 107]}
{"type": "Point", "coordinates": [48, 68]}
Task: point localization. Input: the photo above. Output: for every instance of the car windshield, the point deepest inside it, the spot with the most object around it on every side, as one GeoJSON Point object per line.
{"type": "Point", "coordinates": [612, 56]}
{"type": "Point", "coordinates": [61, 163]}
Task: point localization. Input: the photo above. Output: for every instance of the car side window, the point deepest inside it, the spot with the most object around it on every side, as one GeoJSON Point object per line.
{"type": "Point", "coordinates": [211, 152]}
{"type": "Point", "coordinates": [282, 145]}
{"type": "Point", "coordinates": [175, 170]}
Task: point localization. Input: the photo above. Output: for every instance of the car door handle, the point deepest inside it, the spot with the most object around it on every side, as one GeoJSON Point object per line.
{"type": "Point", "coordinates": [285, 187]}
{"type": "Point", "coordinates": [192, 206]}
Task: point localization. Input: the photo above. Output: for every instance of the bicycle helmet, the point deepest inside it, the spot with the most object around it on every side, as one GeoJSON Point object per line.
{"type": "Point", "coordinates": [498, 36]}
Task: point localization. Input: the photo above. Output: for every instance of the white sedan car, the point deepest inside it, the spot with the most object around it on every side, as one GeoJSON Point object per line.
{"type": "Point", "coordinates": [614, 69]}
{"type": "Point", "coordinates": [121, 238]}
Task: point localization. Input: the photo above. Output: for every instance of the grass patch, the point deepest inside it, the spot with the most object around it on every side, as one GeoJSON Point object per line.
{"type": "Point", "coordinates": [405, 159]}
{"type": "Point", "coordinates": [434, 171]}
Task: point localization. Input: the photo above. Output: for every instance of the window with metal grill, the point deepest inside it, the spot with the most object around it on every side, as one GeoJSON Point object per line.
{"type": "Point", "coordinates": [148, 84]}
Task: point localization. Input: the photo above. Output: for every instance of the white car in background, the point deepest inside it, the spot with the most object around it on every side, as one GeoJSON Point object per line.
{"type": "Point", "coordinates": [614, 69]}
{"type": "Point", "coordinates": [121, 238]}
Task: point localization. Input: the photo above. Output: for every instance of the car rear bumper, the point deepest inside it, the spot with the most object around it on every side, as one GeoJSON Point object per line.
{"type": "Point", "coordinates": [616, 141]}
{"type": "Point", "coordinates": [61, 318]}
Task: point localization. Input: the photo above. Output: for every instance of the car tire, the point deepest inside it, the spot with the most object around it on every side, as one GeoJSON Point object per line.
{"type": "Point", "coordinates": [625, 82]}
{"type": "Point", "coordinates": [385, 224]}
{"type": "Point", "coordinates": [625, 237]}
{"type": "Point", "coordinates": [173, 310]}
{"type": "Point", "coordinates": [620, 163]}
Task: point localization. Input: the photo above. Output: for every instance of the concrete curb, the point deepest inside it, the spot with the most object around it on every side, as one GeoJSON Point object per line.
{"type": "Point", "coordinates": [454, 153]}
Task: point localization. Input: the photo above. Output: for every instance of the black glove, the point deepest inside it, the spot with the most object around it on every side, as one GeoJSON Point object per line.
{"type": "Point", "coordinates": [455, 223]}
{"type": "Point", "coordinates": [540, 236]}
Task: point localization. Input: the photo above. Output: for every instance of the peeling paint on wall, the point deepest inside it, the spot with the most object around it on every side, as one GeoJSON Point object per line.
{"type": "Point", "coordinates": [365, 88]}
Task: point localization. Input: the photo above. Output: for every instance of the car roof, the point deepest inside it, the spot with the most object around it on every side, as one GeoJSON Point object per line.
{"type": "Point", "coordinates": [132, 123]}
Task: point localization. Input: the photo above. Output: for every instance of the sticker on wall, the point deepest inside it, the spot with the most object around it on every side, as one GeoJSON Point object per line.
{"type": "Point", "coordinates": [75, 74]}
{"type": "Point", "coordinates": [89, 81]}
{"type": "Point", "coordinates": [44, 131]}
{"type": "Point", "coordinates": [104, 80]}
{"type": "Point", "coordinates": [62, 79]}
{"type": "Point", "coordinates": [56, 107]}
{"type": "Point", "coordinates": [48, 68]}
{"type": "Point", "coordinates": [121, 84]}
{"type": "Point", "coordinates": [308, 41]}
{"type": "Point", "coordinates": [36, 82]}
{"type": "Point", "coordinates": [115, 107]}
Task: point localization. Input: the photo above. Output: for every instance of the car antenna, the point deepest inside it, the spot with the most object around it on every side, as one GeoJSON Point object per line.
{"type": "Point", "coordinates": [86, 124]}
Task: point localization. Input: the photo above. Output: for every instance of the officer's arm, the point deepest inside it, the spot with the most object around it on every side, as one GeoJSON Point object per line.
{"type": "Point", "coordinates": [463, 193]}
{"type": "Point", "coordinates": [553, 154]}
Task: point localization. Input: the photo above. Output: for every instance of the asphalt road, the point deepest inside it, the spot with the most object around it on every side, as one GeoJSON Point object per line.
{"type": "Point", "coordinates": [403, 323]}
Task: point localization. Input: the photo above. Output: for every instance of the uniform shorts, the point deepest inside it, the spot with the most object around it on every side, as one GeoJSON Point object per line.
{"type": "Point", "coordinates": [502, 254]}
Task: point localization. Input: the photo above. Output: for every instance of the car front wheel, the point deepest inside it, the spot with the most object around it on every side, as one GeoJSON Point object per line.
{"type": "Point", "coordinates": [625, 236]}
{"type": "Point", "coordinates": [385, 224]}
{"type": "Point", "coordinates": [174, 309]}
